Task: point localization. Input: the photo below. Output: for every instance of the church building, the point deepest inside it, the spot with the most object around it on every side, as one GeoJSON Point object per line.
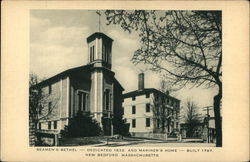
{"type": "Point", "coordinates": [90, 88]}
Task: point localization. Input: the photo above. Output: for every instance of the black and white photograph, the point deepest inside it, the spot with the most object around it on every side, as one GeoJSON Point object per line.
{"type": "Point", "coordinates": [124, 81]}
{"type": "Point", "coordinates": [137, 78]}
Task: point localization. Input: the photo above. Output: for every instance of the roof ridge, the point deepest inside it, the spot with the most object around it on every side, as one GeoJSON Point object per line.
{"type": "Point", "coordinates": [140, 92]}
{"type": "Point", "coordinates": [61, 73]}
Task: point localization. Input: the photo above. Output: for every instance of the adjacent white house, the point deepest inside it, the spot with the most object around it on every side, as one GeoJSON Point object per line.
{"type": "Point", "coordinates": [149, 110]}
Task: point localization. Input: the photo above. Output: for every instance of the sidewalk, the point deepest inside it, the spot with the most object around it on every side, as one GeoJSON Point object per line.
{"type": "Point", "coordinates": [152, 143]}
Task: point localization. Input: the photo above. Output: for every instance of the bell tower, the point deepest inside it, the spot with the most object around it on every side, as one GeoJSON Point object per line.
{"type": "Point", "coordinates": [102, 86]}
{"type": "Point", "coordinates": [100, 50]}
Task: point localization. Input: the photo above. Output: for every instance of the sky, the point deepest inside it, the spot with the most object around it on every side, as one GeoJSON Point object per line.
{"type": "Point", "coordinates": [58, 42]}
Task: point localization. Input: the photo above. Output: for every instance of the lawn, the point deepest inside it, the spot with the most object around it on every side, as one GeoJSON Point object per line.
{"type": "Point", "coordinates": [91, 140]}
{"type": "Point", "coordinates": [80, 141]}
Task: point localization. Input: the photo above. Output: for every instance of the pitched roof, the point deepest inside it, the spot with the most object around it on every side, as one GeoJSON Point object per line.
{"type": "Point", "coordinates": [146, 91]}
{"type": "Point", "coordinates": [62, 74]}
{"type": "Point", "coordinates": [84, 68]}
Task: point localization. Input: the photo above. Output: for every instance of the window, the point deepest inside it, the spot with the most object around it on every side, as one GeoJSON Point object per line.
{"type": "Point", "coordinates": [55, 124]}
{"type": "Point", "coordinates": [147, 107]}
{"type": "Point", "coordinates": [110, 99]}
{"type": "Point", "coordinates": [50, 106]}
{"type": "Point", "coordinates": [133, 109]}
{"type": "Point", "coordinates": [92, 53]}
{"type": "Point", "coordinates": [103, 53]}
{"type": "Point", "coordinates": [40, 126]}
{"type": "Point", "coordinates": [50, 89]}
{"type": "Point", "coordinates": [147, 122]}
{"type": "Point", "coordinates": [49, 125]}
{"type": "Point", "coordinates": [107, 55]}
{"type": "Point", "coordinates": [133, 98]}
{"type": "Point", "coordinates": [147, 95]}
{"type": "Point", "coordinates": [133, 123]}
{"type": "Point", "coordinates": [82, 101]}
{"type": "Point", "coordinates": [107, 96]}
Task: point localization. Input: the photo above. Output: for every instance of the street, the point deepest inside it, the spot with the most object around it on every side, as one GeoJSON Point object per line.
{"type": "Point", "coordinates": [152, 143]}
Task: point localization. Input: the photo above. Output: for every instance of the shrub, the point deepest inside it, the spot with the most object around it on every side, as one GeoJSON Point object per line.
{"type": "Point", "coordinates": [121, 127]}
{"type": "Point", "coordinates": [82, 125]}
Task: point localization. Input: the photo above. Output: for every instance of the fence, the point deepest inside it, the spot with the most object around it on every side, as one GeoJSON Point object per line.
{"type": "Point", "coordinates": [32, 128]}
{"type": "Point", "coordinates": [161, 136]}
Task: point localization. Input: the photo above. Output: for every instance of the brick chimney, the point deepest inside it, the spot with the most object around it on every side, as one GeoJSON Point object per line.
{"type": "Point", "coordinates": [141, 81]}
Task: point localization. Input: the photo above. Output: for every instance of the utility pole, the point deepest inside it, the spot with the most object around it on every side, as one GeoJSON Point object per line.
{"type": "Point", "coordinates": [108, 125]}
{"type": "Point", "coordinates": [207, 108]}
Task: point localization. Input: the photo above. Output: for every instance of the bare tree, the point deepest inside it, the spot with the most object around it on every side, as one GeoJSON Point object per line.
{"type": "Point", "coordinates": [192, 117]}
{"type": "Point", "coordinates": [185, 46]}
{"type": "Point", "coordinates": [42, 106]}
{"type": "Point", "coordinates": [162, 113]}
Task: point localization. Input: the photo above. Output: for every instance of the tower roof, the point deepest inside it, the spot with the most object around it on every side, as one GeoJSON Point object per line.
{"type": "Point", "coordinates": [98, 35]}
